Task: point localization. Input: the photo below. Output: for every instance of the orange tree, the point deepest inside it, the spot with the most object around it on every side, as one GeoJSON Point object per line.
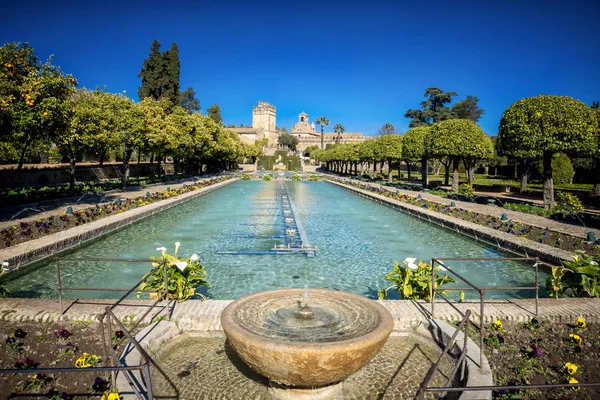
{"type": "Point", "coordinates": [541, 126]}
{"type": "Point", "coordinates": [413, 149]}
{"type": "Point", "coordinates": [34, 98]}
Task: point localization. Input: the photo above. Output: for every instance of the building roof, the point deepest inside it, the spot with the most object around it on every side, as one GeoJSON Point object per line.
{"type": "Point", "coordinates": [303, 113]}
{"type": "Point", "coordinates": [345, 134]}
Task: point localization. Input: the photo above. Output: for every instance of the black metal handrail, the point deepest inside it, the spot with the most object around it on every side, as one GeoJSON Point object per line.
{"type": "Point", "coordinates": [460, 363]}
{"type": "Point", "coordinates": [481, 290]}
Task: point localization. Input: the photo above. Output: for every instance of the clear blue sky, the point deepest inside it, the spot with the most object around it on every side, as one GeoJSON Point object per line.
{"type": "Point", "coordinates": [359, 64]}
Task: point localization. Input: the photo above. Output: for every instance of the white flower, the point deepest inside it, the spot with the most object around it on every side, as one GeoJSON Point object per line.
{"type": "Point", "coordinates": [194, 257]}
{"type": "Point", "coordinates": [4, 263]}
{"type": "Point", "coordinates": [182, 265]}
{"type": "Point", "coordinates": [162, 249]}
{"type": "Point", "coordinates": [412, 266]}
{"type": "Point", "coordinates": [593, 262]}
{"type": "Point", "coordinates": [409, 260]}
{"type": "Point", "coordinates": [443, 268]}
{"type": "Point", "coordinates": [177, 244]}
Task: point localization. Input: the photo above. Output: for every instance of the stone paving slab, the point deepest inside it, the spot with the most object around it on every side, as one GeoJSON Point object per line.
{"type": "Point", "coordinates": [205, 316]}
{"type": "Point", "coordinates": [495, 211]}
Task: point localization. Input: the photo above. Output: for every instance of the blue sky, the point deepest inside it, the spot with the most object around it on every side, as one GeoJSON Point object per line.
{"type": "Point", "coordinates": [361, 64]}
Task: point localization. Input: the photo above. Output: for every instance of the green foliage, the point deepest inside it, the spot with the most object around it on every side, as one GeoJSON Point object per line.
{"type": "Point", "coordinates": [307, 151]}
{"type": "Point", "coordinates": [267, 177]}
{"type": "Point", "coordinates": [184, 275]}
{"type": "Point", "coordinates": [466, 190]}
{"type": "Point", "coordinates": [468, 109]}
{"type": "Point", "coordinates": [414, 281]}
{"type": "Point", "coordinates": [433, 109]}
{"type": "Point", "coordinates": [580, 278]}
{"type": "Point", "coordinates": [388, 147]}
{"type": "Point", "coordinates": [568, 204]}
{"type": "Point", "coordinates": [534, 125]}
{"type": "Point", "coordinates": [214, 113]}
{"type": "Point", "coordinates": [413, 144]}
{"type": "Point", "coordinates": [458, 138]}
{"type": "Point", "coordinates": [529, 209]}
{"type": "Point", "coordinates": [3, 290]}
{"type": "Point", "coordinates": [287, 140]}
{"type": "Point", "coordinates": [160, 74]}
{"type": "Point", "coordinates": [562, 169]}
{"type": "Point", "coordinates": [34, 98]}
{"type": "Point", "coordinates": [296, 177]}
{"type": "Point", "coordinates": [188, 100]}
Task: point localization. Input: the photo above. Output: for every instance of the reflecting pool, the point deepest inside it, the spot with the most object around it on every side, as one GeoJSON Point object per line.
{"type": "Point", "coordinates": [358, 240]}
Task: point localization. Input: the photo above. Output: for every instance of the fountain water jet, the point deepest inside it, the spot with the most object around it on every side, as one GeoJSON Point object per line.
{"type": "Point", "coordinates": [306, 351]}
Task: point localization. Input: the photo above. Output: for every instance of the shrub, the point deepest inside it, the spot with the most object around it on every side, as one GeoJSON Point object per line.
{"type": "Point", "coordinates": [580, 278]}
{"type": "Point", "coordinates": [568, 204]}
{"type": "Point", "coordinates": [267, 177]}
{"type": "Point", "coordinates": [466, 190]}
{"type": "Point", "coordinates": [414, 281]}
{"type": "Point", "coordinates": [562, 169]}
{"type": "Point", "coordinates": [296, 177]}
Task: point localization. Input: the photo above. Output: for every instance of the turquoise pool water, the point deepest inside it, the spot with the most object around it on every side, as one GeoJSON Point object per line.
{"type": "Point", "coordinates": [359, 241]}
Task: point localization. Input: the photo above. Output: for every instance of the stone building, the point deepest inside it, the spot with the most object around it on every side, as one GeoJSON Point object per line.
{"type": "Point", "coordinates": [264, 118]}
{"type": "Point", "coordinates": [263, 125]}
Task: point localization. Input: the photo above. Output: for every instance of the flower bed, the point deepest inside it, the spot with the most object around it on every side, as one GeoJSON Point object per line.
{"type": "Point", "coordinates": [541, 235]}
{"type": "Point", "coordinates": [543, 352]}
{"type": "Point", "coordinates": [36, 228]}
{"type": "Point", "coordinates": [31, 345]}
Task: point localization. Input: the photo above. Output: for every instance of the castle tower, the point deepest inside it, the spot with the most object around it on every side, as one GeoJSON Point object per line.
{"type": "Point", "coordinates": [303, 126]}
{"type": "Point", "coordinates": [264, 116]}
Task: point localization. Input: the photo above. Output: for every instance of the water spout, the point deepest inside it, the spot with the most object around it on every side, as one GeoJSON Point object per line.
{"type": "Point", "coordinates": [305, 312]}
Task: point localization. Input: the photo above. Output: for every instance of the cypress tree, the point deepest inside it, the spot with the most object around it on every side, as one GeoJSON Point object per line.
{"type": "Point", "coordinates": [171, 73]}
{"type": "Point", "coordinates": [160, 74]}
{"type": "Point", "coordinates": [214, 113]}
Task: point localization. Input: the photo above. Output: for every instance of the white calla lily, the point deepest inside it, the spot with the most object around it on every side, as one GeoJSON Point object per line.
{"type": "Point", "coordinates": [161, 249]}
{"type": "Point", "coordinates": [409, 260]}
{"type": "Point", "coordinates": [443, 268]}
{"type": "Point", "coordinates": [177, 244]}
{"type": "Point", "coordinates": [194, 257]}
{"type": "Point", "coordinates": [413, 266]}
{"type": "Point", "coordinates": [4, 263]}
{"type": "Point", "coordinates": [182, 265]}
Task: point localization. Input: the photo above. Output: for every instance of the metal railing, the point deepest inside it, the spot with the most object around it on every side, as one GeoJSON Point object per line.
{"type": "Point", "coordinates": [165, 294]}
{"type": "Point", "coordinates": [481, 290]}
{"type": "Point", "coordinates": [460, 363]}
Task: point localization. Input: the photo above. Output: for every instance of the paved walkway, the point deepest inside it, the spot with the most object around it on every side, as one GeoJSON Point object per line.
{"type": "Point", "coordinates": [205, 315]}
{"type": "Point", "coordinates": [495, 211]}
{"type": "Point", "coordinates": [13, 215]}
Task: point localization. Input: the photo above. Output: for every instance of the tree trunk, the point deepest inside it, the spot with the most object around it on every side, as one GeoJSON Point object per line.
{"type": "Point", "coordinates": [22, 156]}
{"type": "Point", "coordinates": [158, 162]}
{"type": "Point", "coordinates": [455, 174]}
{"type": "Point", "coordinates": [548, 183]}
{"type": "Point", "coordinates": [176, 165]}
{"type": "Point", "coordinates": [125, 176]}
{"type": "Point", "coordinates": [596, 189]}
{"type": "Point", "coordinates": [374, 169]}
{"type": "Point", "coordinates": [523, 186]}
{"type": "Point", "coordinates": [446, 173]}
{"type": "Point", "coordinates": [139, 156]}
{"type": "Point", "coordinates": [102, 156]}
{"type": "Point", "coordinates": [72, 162]}
{"type": "Point", "coordinates": [407, 170]}
{"type": "Point", "coordinates": [151, 158]}
{"type": "Point", "coordinates": [424, 179]}
{"type": "Point", "coordinates": [390, 171]}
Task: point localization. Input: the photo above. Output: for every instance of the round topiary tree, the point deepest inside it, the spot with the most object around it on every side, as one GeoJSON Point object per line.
{"type": "Point", "coordinates": [459, 139]}
{"type": "Point", "coordinates": [541, 126]}
{"type": "Point", "coordinates": [413, 149]}
{"type": "Point", "coordinates": [389, 148]}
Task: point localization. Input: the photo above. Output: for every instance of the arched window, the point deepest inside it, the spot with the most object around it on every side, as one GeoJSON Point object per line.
{"type": "Point", "coordinates": [301, 119]}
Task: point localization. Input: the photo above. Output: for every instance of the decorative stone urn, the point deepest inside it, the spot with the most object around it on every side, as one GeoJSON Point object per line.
{"type": "Point", "coordinates": [305, 340]}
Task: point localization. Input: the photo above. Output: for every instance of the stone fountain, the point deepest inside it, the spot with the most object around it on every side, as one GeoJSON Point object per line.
{"type": "Point", "coordinates": [306, 342]}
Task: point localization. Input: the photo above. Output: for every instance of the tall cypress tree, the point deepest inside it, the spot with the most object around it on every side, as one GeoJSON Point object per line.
{"type": "Point", "coordinates": [171, 74]}
{"type": "Point", "coordinates": [160, 74]}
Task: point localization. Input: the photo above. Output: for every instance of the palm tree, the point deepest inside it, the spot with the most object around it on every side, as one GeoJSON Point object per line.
{"type": "Point", "coordinates": [322, 121]}
{"type": "Point", "coordinates": [339, 129]}
{"type": "Point", "coordinates": [388, 129]}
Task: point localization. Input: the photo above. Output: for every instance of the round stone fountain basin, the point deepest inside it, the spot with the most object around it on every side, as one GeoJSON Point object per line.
{"type": "Point", "coordinates": [346, 331]}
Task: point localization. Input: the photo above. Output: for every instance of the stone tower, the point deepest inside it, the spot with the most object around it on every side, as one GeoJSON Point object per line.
{"type": "Point", "coordinates": [264, 116]}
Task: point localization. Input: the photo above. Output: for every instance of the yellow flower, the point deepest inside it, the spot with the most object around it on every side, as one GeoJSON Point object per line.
{"type": "Point", "coordinates": [498, 324]}
{"type": "Point", "coordinates": [570, 368]}
{"type": "Point", "coordinates": [111, 396]}
{"type": "Point", "coordinates": [576, 338]}
{"type": "Point", "coordinates": [580, 323]}
{"type": "Point", "coordinates": [573, 381]}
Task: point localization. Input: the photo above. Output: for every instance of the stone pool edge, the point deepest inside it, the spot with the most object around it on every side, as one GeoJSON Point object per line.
{"type": "Point", "coordinates": [27, 253]}
{"type": "Point", "coordinates": [500, 240]}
